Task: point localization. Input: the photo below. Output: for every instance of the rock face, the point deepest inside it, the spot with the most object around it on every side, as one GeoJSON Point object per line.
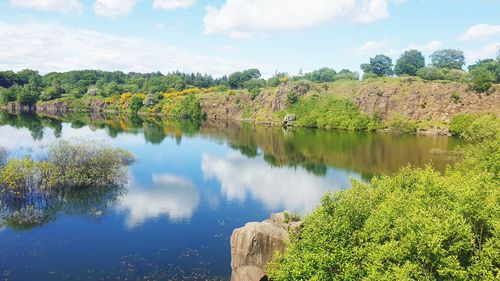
{"type": "Point", "coordinates": [254, 245]}
{"type": "Point", "coordinates": [288, 120]}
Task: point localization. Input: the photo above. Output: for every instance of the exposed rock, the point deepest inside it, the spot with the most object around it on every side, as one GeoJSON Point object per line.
{"type": "Point", "coordinates": [254, 245]}
{"type": "Point", "coordinates": [289, 120]}
{"type": "Point", "coordinates": [16, 107]}
{"type": "Point", "coordinates": [53, 107]}
{"type": "Point", "coordinates": [249, 273]}
{"type": "Point", "coordinates": [92, 91]}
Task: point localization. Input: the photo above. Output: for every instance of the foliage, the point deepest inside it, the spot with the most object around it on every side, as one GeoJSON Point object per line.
{"type": "Point", "coordinates": [238, 79]}
{"type": "Point", "coordinates": [475, 127]}
{"type": "Point", "coordinates": [186, 107]}
{"type": "Point", "coordinates": [292, 98]}
{"type": "Point", "coordinates": [380, 65]}
{"type": "Point", "coordinates": [326, 74]}
{"type": "Point", "coordinates": [481, 78]}
{"type": "Point", "coordinates": [409, 63]}
{"type": "Point", "coordinates": [415, 225]}
{"type": "Point", "coordinates": [85, 164]}
{"type": "Point", "coordinates": [448, 58]}
{"type": "Point", "coordinates": [327, 111]}
{"type": "Point", "coordinates": [430, 73]}
{"type": "Point", "coordinates": [400, 124]}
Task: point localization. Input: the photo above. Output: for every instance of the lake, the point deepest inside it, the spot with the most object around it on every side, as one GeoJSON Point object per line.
{"type": "Point", "coordinates": [187, 191]}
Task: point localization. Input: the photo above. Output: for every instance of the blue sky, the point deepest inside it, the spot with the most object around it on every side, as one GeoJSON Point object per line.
{"type": "Point", "coordinates": [222, 36]}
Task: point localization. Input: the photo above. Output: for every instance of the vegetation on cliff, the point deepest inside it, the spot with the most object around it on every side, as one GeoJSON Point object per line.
{"type": "Point", "coordinates": [415, 225]}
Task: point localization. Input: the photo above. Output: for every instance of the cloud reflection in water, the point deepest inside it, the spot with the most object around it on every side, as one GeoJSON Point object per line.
{"type": "Point", "coordinates": [172, 196]}
{"type": "Point", "coordinates": [276, 188]}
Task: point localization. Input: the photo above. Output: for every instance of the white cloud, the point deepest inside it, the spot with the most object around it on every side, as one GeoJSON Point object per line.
{"type": "Point", "coordinates": [426, 48]}
{"type": "Point", "coordinates": [480, 31]}
{"type": "Point", "coordinates": [288, 188]}
{"type": "Point", "coordinates": [487, 52]}
{"type": "Point", "coordinates": [49, 47]}
{"type": "Point", "coordinates": [62, 6]}
{"type": "Point", "coordinates": [172, 196]}
{"type": "Point", "coordinates": [371, 47]}
{"type": "Point", "coordinates": [226, 48]}
{"type": "Point", "coordinates": [173, 4]}
{"type": "Point", "coordinates": [246, 18]}
{"type": "Point", "coordinates": [113, 8]}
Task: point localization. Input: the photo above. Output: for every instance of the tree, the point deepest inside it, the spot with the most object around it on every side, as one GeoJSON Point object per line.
{"type": "Point", "coordinates": [238, 79]}
{"type": "Point", "coordinates": [481, 78]}
{"type": "Point", "coordinates": [380, 65]}
{"type": "Point", "coordinates": [324, 74]}
{"type": "Point", "coordinates": [491, 65]}
{"type": "Point", "coordinates": [409, 63]}
{"type": "Point", "coordinates": [448, 58]}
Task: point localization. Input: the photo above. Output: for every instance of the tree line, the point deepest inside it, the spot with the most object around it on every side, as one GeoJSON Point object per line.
{"type": "Point", "coordinates": [446, 64]}
{"type": "Point", "coordinates": [28, 86]}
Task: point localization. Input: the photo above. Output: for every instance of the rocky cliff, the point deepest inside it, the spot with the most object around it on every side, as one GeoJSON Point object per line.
{"type": "Point", "coordinates": [430, 101]}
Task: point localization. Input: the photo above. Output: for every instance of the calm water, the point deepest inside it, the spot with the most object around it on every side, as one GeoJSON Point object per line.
{"type": "Point", "coordinates": [190, 187]}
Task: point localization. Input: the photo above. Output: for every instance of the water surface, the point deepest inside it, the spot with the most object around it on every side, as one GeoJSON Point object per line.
{"type": "Point", "coordinates": [190, 187]}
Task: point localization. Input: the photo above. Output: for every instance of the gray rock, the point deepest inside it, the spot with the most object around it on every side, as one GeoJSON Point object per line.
{"type": "Point", "coordinates": [254, 245]}
{"type": "Point", "coordinates": [289, 120]}
{"type": "Point", "coordinates": [249, 273]}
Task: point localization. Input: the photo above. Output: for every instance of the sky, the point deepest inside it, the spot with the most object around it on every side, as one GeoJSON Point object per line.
{"type": "Point", "coordinates": [222, 36]}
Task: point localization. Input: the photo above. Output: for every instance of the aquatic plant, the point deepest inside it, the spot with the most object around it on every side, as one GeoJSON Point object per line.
{"type": "Point", "coordinates": [72, 175]}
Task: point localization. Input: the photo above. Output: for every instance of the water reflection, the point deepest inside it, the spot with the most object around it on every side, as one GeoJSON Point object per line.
{"type": "Point", "coordinates": [288, 188]}
{"type": "Point", "coordinates": [281, 169]}
{"type": "Point", "coordinates": [172, 196]}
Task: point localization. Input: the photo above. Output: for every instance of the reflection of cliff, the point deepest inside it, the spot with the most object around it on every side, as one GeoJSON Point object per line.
{"type": "Point", "coordinates": [314, 150]}
{"type": "Point", "coordinates": [366, 153]}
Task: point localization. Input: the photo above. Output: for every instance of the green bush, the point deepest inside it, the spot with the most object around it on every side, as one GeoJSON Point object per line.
{"type": "Point", "coordinates": [475, 127]}
{"type": "Point", "coordinates": [431, 73]}
{"type": "Point", "coordinates": [400, 124]}
{"type": "Point", "coordinates": [327, 111]}
{"type": "Point", "coordinates": [188, 108]}
{"type": "Point", "coordinates": [415, 225]}
{"type": "Point", "coordinates": [481, 79]}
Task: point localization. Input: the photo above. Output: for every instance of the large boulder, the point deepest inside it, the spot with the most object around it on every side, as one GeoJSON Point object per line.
{"type": "Point", "coordinates": [255, 244]}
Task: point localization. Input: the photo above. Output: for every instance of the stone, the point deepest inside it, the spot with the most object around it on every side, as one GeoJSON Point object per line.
{"type": "Point", "coordinates": [249, 273]}
{"type": "Point", "coordinates": [254, 245]}
{"type": "Point", "coordinates": [289, 120]}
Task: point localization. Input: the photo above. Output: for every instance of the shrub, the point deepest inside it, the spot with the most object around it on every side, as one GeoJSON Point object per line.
{"type": "Point", "coordinates": [416, 225]}
{"type": "Point", "coordinates": [292, 98]}
{"type": "Point", "coordinates": [88, 164]}
{"type": "Point", "coordinates": [400, 124]}
{"type": "Point", "coordinates": [475, 127]}
{"type": "Point", "coordinates": [431, 73]}
{"type": "Point", "coordinates": [187, 107]}
{"type": "Point", "coordinates": [481, 79]}
{"type": "Point", "coordinates": [327, 111]}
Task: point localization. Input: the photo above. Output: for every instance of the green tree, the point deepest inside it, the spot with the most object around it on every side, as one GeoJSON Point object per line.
{"type": "Point", "coordinates": [448, 58]}
{"type": "Point", "coordinates": [380, 65]}
{"type": "Point", "coordinates": [481, 78]}
{"type": "Point", "coordinates": [409, 63]}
